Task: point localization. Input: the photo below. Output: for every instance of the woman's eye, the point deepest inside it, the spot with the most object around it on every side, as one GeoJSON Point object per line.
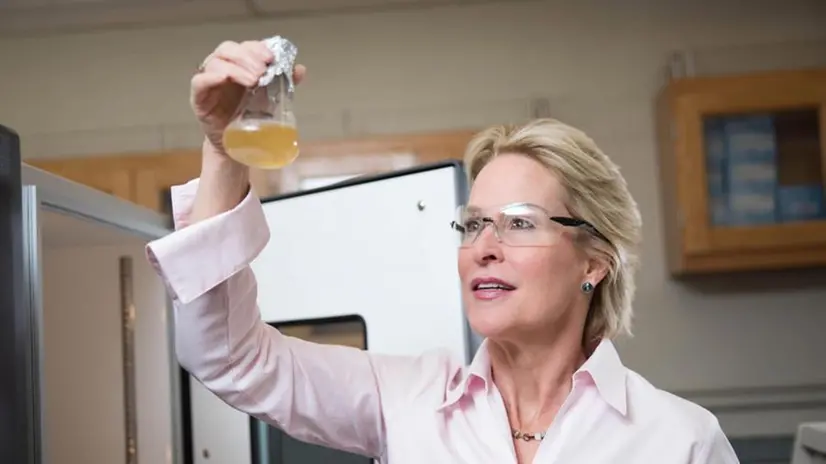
{"type": "Point", "coordinates": [471, 225]}
{"type": "Point", "coordinates": [520, 223]}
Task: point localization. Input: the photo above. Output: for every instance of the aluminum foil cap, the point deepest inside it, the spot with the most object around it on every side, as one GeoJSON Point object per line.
{"type": "Point", "coordinates": [285, 53]}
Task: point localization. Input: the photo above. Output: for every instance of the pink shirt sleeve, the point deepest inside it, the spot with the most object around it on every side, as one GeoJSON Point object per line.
{"type": "Point", "coordinates": [329, 395]}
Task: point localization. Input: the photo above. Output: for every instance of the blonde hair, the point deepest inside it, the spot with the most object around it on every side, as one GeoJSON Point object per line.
{"type": "Point", "coordinates": [596, 192]}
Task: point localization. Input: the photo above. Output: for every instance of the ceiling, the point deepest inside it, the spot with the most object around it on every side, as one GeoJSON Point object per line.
{"type": "Point", "coordinates": [39, 17]}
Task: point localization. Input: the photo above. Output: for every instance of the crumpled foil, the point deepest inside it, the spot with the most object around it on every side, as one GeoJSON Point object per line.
{"type": "Point", "coordinates": [285, 53]}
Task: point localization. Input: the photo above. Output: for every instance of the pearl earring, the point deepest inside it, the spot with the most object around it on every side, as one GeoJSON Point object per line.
{"type": "Point", "coordinates": [587, 287]}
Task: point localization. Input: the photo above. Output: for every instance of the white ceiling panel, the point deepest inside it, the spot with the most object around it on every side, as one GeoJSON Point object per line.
{"type": "Point", "coordinates": [28, 4]}
{"type": "Point", "coordinates": [37, 17]}
{"type": "Point", "coordinates": [47, 16]}
{"type": "Point", "coordinates": [294, 6]}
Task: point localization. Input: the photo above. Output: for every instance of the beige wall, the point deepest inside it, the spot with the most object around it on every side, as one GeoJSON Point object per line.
{"type": "Point", "coordinates": [748, 341]}
{"type": "Point", "coordinates": [83, 404]}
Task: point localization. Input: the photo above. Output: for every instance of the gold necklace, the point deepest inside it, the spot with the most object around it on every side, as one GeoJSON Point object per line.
{"type": "Point", "coordinates": [527, 436]}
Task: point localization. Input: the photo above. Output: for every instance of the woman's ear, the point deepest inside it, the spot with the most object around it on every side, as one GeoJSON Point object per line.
{"type": "Point", "coordinates": [596, 260]}
{"type": "Point", "coordinates": [597, 268]}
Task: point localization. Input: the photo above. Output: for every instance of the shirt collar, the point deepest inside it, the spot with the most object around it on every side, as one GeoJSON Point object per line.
{"type": "Point", "coordinates": [603, 367]}
{"type": "Point", "coordinates": [608, 373]}
{"type": "Point", "coordinates": [477, 374]}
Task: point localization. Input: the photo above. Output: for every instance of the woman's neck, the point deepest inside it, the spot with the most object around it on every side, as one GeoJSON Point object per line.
{"type": "Point", "coordinates": [535, 378]}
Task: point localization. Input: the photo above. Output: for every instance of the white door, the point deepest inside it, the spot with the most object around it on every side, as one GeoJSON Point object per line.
{"type": "Point", "coordinates": [348, 264]}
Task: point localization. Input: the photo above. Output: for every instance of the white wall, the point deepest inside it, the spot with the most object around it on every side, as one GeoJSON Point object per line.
{"type": "Point", "coordinates": [599, 63]}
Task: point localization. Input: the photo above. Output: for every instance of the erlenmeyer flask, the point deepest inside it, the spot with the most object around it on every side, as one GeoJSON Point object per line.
{"type": "Point", "coordinates": [264, 134]}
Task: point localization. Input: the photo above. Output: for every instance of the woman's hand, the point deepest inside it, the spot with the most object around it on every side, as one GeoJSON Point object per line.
{"type": "Point", "coordinates": [216, 94]}
{"type": "Point", "coordinates": [218, 89]}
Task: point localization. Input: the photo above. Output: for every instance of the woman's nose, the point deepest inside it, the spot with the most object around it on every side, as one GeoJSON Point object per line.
{"type": "Point", "coordinates": [488, 245]}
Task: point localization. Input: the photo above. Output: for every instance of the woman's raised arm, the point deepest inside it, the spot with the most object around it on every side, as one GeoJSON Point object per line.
{"type": "Point", "coordinates": [322, 394]}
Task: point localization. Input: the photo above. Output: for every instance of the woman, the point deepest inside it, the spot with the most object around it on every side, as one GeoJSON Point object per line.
{"type": "Point", "coordinates": [547, 269]}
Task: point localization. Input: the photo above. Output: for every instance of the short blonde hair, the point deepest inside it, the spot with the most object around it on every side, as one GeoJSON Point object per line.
{"type": "Point", "coordinates": [596, 192]}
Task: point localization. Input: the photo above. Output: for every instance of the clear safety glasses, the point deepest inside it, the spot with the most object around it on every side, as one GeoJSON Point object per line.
{"type": "Point", "coordinates": [517, 224]}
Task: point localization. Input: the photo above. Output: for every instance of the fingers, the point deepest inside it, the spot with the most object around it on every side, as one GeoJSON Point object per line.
{"type": "Point", "coordinates": [260, 50]}
{"type": "Point", "coordinates": [298, 73]}
{"type": "Point", "coordinates": [251, 56]}
{"type": "Point", "coordinates": [242, 63]}
{"type": "Point", "coordinates": [218, 71]}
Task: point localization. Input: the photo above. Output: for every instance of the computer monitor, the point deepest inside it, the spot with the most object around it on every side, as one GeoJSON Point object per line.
{"type": "Point", "coordinates": [810, 444]}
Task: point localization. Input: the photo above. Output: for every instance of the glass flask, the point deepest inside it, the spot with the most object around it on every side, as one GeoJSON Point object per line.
{"type": "Point", "coordinates": [264, 134]}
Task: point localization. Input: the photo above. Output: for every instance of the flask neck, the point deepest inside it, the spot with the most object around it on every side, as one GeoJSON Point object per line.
{"type": "Point", "coordinates": [279, 88]}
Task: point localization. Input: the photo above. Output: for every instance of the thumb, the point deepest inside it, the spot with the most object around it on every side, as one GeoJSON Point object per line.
{"type": "Point", "coordinates": [299, 72]}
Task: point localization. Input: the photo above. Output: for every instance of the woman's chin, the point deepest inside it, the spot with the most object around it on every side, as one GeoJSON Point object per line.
{"type": "Point", "coordinates": [489, 324]}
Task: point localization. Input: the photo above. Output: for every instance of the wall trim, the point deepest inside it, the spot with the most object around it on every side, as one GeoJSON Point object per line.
{"type": "Point", "coordinates": [763, 398]}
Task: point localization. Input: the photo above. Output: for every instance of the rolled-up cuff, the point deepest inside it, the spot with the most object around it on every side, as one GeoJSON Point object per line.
{"type": "Point", "coordinates": [196, 258]}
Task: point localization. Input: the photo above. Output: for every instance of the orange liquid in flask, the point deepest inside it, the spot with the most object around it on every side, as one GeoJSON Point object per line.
{"type": "Point", "coordinates": [262, 144]}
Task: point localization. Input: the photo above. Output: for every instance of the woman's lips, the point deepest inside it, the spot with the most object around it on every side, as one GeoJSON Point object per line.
{"type": "Point", "coordinates": [490, 288]}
